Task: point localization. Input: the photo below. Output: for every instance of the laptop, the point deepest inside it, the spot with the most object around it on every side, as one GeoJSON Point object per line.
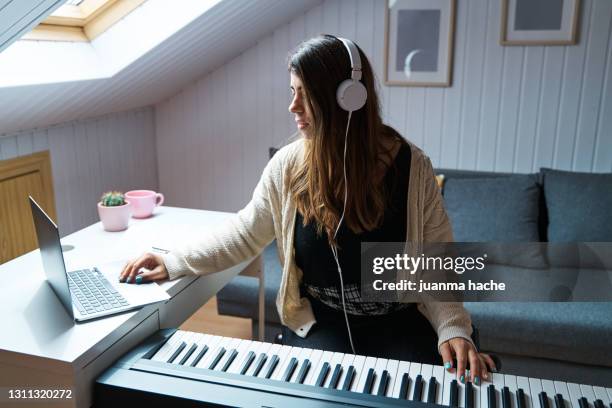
{"type": "Point", "coordinates": [88, 293]}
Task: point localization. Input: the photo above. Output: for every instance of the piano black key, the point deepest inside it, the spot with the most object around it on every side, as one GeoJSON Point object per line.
{"type": "Point", "coordinates": [491, 401]}
{"type": "Point", "coordinates": [177, 352]}
{"type": "Point", "coordinates": [432, 389]}
{"type": "Point", "coordinates": [218, 357]}
{"type": "Point", "coordinates": [599, 404]}
{"type": "Point", "coordinates": [403, 394]}
{"type": "Point", "coordinates": [350, 376]}
{"type": "Point", "coordinates": [583, 402]}
{"type": "Point", "coordinates": [469, 395]}
{"type": "Point", "coordinates": [261, 360]}
{"type": "Point", "coordinates": [520, 399]}
{"type": "Point", "coordinates": [543, 400]}
{"type": "Point", "coordinates": [248, 360]}
{"type": "Point", "coordinates": [418, 388]}
{"type": "Point", "coordinates": [272, 366]}
{"type": "Point", "coordinates": [367, 388]}
{"type": "Point", "coordinates": [199, 356]}
{"type": "Point", "coordinates": [454, 394]}
{"type": "Point", "coordinates": [188, 354]}
{"type": "Point", "coordinates": [322, 375]}
{"type": "Point", "coordinates": [230, 360]}
{"type": "Point", "coordinates": [303, 372]}
{"type": "Point", "coordinates": [559, 402]}
{"type": "Point", "coordinates": [384, 383]}
{"type": "Point", "coordinates": [506, 398]}
{"type": "Point", "coordinates": [333, 383]}
{"type": "Point", "coordinates": [290, 369]}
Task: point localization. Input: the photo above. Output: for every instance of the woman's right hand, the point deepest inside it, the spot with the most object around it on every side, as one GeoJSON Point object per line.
{"type": "Point", "coordinates": [153, 268]}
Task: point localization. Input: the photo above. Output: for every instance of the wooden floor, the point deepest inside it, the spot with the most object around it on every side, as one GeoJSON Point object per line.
{"type": "Point", "coordinates": [207, 320]}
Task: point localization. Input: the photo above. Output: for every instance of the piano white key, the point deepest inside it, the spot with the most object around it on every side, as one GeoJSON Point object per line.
{"type": "Point", "coordinates": [438, 372]}
{"type": "Point", "coordinates": [263, 348]}
{"type": "Point", "coordinates": [484, 393]}
{"type": "Point", "coordinates": [536, 388]}
{"type": "Point", "coordinates": [448, 378]}
{"type": "Point", "coordinates": [561, 388]}
{"type": "Point", "coordinates": [548, 387]}
{"type": "Point", "coordinates": [304, 355]}
{"type": "Point", "coordinates": [274, 350]}
{"type": "Point", "coordinates": [379, 367]}
{"type": "Point", "coordinates": [587, 392]}
{"type": "Point", "coordinates": [499, 384]}
{"type": "Point", "coordinates": [370, 362]}
{"type": "Point", "coordinates": [201, 340]}
{"type": "Point", "coordinates": [231, 345]}
{"type": "Point", "coordinates": [461, 389]}
{"type": "Point", "coordinates": [216, 342]}
{"type": "Point", "coordinates": [510, 382]}
{"type": "Point", "coordinates": [335, 359]}
{"type": "Point", "coordinates": [402, 368]}
{"type": "Point", "coordinates": [243, 349]}
{"type": "Point", "coordinates": [600, 393]}
{"type": "Point", "coordinates": [476, 391]}
{"type": "Point", "coordinates": [392, 367]}
{"type": "Point", "coordinates": [575, 393]}
{"type": "Point", "coordinates": [166, 350]}
{"type": "Point", "coordinates": [415, 369]}
{"type": "Point", "coordinates": [358, 364]}
{"type": "Point", "coordinates": [325, 358]}
{"type": "Point", "coordinates": [315, 357]}
{"type": "Point", "coordinates": [530, 400]}
{"type": "Point", "coordinates": [285, 357]}
{"type": "Point", "coordinates": [188, 339]}
{"type": "Point", "coordinates": [426, 370]}
{"type": "Point", "coordinates": [347, 361]}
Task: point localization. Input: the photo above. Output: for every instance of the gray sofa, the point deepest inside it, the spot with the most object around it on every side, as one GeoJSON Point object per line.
{"type": "Point", "coordinates": [562, 341]}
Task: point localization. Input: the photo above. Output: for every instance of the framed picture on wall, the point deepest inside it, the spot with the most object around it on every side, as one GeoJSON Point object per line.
{"type": "Point", "coordinates": [419, 42]}
{"type": "Point", "coordinates": [539, 22]}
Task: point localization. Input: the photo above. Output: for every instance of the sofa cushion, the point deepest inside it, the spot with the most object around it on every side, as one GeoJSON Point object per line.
{"type": "Point", "coordinates": [578, 332]}
{"type": "Point", "coordinates": [239, 297]}
{"type": "Point", "coordinates": [494, 210]}
{"type": "Point", "coordinates": [578, 206]}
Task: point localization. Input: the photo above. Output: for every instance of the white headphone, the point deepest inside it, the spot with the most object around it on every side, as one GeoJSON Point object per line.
{"type": "Point", "coordinates": [352, 94]}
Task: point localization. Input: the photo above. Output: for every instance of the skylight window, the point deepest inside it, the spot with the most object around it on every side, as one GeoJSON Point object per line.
{"type": "Point", "coordinates": [82, 20]}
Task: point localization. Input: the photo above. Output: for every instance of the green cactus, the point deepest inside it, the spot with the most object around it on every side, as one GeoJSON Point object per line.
{"type": "Point", "coordinates": [112, 199]}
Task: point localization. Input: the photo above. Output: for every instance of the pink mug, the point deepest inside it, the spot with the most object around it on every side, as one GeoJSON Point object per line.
{"type": "Point", "coordinates": [144, 202]}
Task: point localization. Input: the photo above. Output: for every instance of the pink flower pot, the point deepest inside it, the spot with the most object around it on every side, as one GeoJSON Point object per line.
{"type": "Point", "coordinates": [115, 218]}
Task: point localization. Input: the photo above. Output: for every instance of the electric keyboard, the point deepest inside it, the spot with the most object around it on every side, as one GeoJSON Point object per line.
{"type": "Point", "coordinates": [183, 369]}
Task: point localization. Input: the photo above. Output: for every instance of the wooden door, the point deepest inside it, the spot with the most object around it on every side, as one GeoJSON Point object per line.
{"type": "Point", "coordinates": [20, 177]}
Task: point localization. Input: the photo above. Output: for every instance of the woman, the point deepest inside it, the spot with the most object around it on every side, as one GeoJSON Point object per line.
{"type": "Point", "coordinates": [301, 202]}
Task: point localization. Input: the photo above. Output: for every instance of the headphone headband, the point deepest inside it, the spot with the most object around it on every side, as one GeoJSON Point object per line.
{"type": "Point", "coordinates": [354, 56]}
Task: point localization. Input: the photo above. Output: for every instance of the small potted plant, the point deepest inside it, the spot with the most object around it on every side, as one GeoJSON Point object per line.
{"type": "Point", "coordinates": [114, 211]}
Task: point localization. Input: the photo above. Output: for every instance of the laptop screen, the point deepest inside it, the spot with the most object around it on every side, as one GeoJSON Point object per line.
{"type": "Point", "coordinates": [51, 253]}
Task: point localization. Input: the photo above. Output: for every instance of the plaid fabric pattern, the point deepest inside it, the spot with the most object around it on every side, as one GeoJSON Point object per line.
{"type": "Point", "coordinates": [330, 296]}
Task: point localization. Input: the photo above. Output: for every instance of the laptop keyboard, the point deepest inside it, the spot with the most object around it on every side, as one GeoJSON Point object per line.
{"type": "Point", "coordinates": [93, 293]}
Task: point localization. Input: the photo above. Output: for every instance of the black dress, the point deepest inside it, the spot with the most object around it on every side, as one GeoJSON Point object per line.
{"type": "Point", "coordinates": [388, 330]}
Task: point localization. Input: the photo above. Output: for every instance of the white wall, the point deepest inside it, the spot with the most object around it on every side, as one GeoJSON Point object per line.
{"type": "Point", "coordinates": [88, 157]}
{"type": "Point", "coordinates": [512, 109]}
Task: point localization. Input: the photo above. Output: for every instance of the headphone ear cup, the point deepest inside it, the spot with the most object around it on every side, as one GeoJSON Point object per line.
{"type": "Point", "coordinates": [351, 95]}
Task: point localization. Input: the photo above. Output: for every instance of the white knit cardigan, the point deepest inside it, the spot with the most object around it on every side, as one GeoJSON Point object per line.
{"type": "Point", "coordinates": [271, 214]}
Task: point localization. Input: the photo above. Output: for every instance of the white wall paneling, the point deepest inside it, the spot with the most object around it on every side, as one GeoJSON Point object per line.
{"type": "Point", "coordinates": [512, 109]}
{"type": "Point", "coordinates": [89, 157]}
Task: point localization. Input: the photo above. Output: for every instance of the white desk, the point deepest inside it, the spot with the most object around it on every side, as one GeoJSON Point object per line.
{"type": "Point", "coordinates": [41, 347]}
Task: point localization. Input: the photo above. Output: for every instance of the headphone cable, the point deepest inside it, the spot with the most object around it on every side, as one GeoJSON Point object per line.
{"type": "Point", "coordinates": [333, 248]}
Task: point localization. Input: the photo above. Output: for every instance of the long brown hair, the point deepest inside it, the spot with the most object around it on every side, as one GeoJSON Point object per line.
{"type": "Point", "coordinates": [317, 183]}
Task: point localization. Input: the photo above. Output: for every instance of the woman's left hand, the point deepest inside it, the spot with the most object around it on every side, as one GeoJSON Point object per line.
{"type": "Point", "coordinates": [465, 353]}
